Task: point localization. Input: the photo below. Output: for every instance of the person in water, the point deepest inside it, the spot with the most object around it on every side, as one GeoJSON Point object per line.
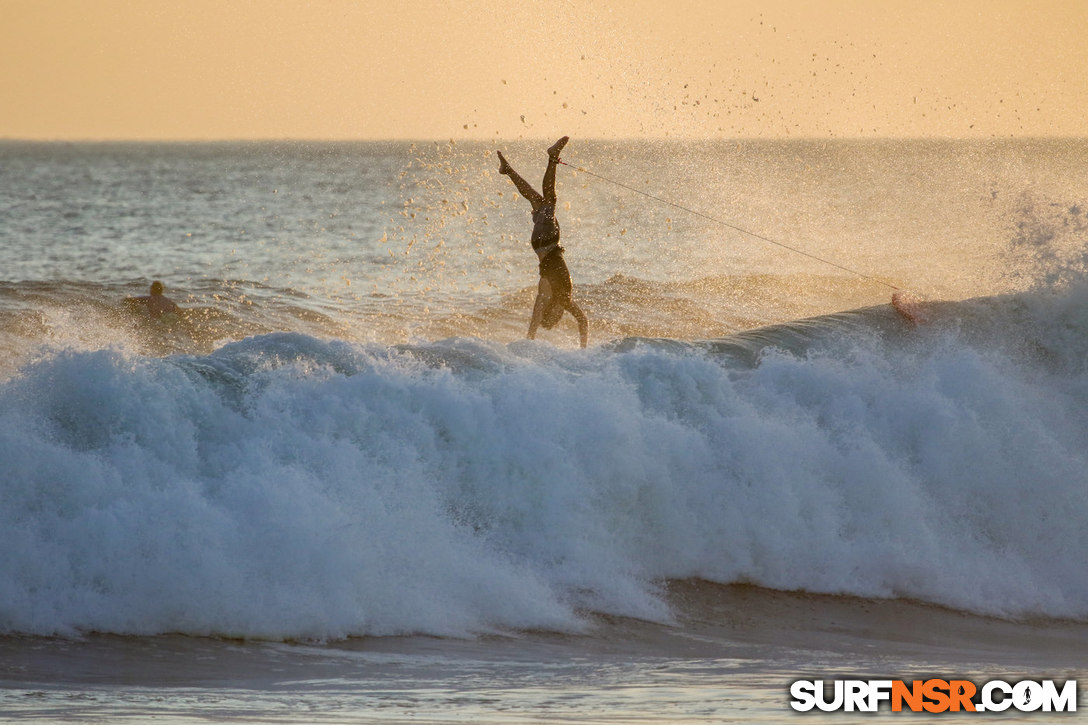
{"type": "Point", "coordinates": [157, 304]}
{"type": "Point", "coordinates": [555, 292]}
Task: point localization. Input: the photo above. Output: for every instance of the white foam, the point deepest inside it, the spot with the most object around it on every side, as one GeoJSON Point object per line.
{"type": "Point", "coordinates": [288, 487]}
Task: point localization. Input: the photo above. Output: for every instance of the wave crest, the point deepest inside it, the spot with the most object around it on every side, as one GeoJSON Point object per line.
{"type": "Point", "coordinates": [287, 486]}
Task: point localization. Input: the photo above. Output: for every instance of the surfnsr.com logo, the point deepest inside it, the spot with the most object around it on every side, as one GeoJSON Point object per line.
{"type": "Point", "coordinates": [933, 695]}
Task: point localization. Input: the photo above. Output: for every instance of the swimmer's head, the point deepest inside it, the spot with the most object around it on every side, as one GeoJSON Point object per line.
{"type": "Point", "coordinates": [157, 288]}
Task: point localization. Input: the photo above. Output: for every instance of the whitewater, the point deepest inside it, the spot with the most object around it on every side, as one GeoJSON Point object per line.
{"type": "Point", "coordinates": [346, 437]}
{"type": "Point", "coordinates": [285, 486]}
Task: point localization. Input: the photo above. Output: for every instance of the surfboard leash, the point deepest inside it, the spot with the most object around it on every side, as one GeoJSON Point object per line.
{"type": "Point", "coordinates": [732, 226]}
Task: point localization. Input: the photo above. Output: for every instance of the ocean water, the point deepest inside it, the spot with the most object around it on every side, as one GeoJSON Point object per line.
{"type": "Point", "coordinates": [342, 486]}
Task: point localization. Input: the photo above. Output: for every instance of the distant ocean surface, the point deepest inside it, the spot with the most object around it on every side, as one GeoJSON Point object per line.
{"type": "Point", "coordinates": [345, 451]}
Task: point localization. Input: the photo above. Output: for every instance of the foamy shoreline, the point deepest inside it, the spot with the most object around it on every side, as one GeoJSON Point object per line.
{"type": "Point", "coordinates": [731, 653]}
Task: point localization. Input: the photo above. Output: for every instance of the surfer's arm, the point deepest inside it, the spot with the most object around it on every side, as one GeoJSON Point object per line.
{"type": "Point", "coordinates": [543, 294]}
{"type": "Point", "coordinates": [583, 322]}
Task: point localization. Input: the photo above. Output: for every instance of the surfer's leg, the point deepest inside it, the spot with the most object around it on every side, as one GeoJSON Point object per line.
{"type": "Point", "coordinates": [549, 182]}
{"type": "Point", "coordinates": [549, 173]}
{"type": "Point", "coordinates": [522, 185]}
{"type": "Point", "coordinates": [556, 148]}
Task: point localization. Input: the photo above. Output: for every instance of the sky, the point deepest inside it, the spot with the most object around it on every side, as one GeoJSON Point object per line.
{"type": "Point", "coordinates": [459, 69]}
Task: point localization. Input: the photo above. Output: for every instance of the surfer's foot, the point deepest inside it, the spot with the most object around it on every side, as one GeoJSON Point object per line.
{"type": "Point", "coordinates": [555, 148]}
{"type": "Point", "coordinates": [504, 168]}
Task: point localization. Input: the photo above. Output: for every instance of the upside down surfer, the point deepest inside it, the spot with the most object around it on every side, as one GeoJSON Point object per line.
{"type": "Point", "coordinates": [555, 292]}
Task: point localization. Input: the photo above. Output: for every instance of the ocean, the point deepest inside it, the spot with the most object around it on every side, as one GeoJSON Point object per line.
{"type": "Point", "coordinates": [341, 486]}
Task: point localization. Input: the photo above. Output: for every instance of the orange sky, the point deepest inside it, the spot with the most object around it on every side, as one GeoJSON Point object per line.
{"type": "Point", "coordinates": [422, 69]}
